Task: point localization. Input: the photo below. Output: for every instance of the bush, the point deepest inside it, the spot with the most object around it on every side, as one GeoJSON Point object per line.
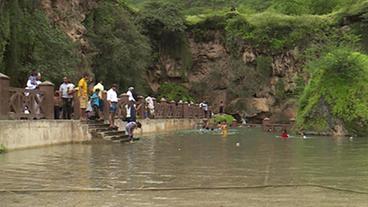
{"type": "Point", "coordinates": [224, 117]}
{"type": "Point", "coordinates": [2, 148]}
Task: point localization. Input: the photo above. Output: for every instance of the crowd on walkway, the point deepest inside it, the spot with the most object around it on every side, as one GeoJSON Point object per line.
{"type": "Point", "coordinates": [91, 101]}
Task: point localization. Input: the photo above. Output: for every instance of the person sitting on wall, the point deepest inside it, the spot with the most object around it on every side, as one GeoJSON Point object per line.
{"type": "Point", "coordinates": [130, 127]}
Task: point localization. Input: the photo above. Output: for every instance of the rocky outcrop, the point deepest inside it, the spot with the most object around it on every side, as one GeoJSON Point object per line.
{"type": "Point", "coordinates": [214, 77]}
{"type": "Point", "coordinates": [69, 15]}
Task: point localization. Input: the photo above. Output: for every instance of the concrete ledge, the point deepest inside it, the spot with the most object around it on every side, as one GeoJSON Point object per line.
{"type": "Point", "coordinates": [24, 134]}
{"type": "Point", "coordinates": [17, 134]}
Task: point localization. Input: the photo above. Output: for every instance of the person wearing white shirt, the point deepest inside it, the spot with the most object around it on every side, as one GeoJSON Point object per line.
{"type": "Point", "coordinates": [112, 99]}
{"type": "Point", "coordinates": [66, 92]}
{"type": "Point", "coordinates": [151, 106]}
{"type": "Point", "coordinates": [130, 94]}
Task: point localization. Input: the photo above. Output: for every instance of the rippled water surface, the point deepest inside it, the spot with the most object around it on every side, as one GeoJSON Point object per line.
{"type": "Point", "coordinates": [189, 160]}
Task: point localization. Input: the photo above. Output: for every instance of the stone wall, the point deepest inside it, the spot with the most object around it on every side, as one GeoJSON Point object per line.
{"type": "Point", "coordinates": [162, 125]}
{"type": "Point", "coordinates": [25, 134]}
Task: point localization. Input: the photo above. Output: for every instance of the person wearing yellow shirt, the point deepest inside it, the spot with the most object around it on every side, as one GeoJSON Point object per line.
{"type": "Point", "coordinates": [83, 95]}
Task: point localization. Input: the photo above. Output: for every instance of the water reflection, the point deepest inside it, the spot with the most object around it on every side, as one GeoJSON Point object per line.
{"type": "Point", "coordinates": [191, 159]}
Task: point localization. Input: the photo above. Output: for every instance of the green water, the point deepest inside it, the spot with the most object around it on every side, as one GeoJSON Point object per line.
{"type": "Point", "coordinates": [205, 164]}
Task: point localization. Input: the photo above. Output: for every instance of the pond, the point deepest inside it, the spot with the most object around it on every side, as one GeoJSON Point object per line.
{"type": "Point", "coordinates": [190, 168]}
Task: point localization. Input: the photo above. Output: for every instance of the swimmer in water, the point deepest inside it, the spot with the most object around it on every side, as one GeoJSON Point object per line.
{"type": "Point", "coordinates": [223, 128]}
{"type": "Point", "coordinates": [284, 134]}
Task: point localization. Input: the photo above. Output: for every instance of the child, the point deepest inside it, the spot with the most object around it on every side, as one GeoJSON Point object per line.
{"type": "Point", "coordinates": [95, 103]}
{"type": "Point", "coordinates": [284, 134]}
{"type": "Point", "coordinates": [129, 128]}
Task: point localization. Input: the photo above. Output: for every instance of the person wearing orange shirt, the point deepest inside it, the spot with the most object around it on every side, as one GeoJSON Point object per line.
{"type": "Point", "coordinates": [83, 95]}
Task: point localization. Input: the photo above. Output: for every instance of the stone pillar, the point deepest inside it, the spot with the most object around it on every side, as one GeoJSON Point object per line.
{"type": "Point", "coordinates": [173, 109]}
{"type": "Point", "coordinates": [186, 110]}
{"type": "Point", "coordinates": [140, 107]}
{"type": "Point", "coordinates": [48, 101]}
{"type": "Point", "coordinates": [4, 94]}
{"type": "Point", "coordinates": [123, 100]}
{"type": "Point", "coordinates": [76, 106]}
{"type": "Point", "coordinates": [198, 111]}
{"type": "Point", "coordinates": [153, 116]}
{"type": "Point", "coordinates": [180, 113]}
{"type": "Point", "coordinates": [164, 108]}
{"type": "Point", "coordinates": [106, 107]}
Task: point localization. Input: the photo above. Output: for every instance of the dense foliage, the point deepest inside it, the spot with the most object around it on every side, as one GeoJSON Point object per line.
{"type": "Point", "coordinates": [174, 92]}
{"type": "Point", "coordinates": [229, 119]}
{"type": "Point", "coordinates": [120, 52]}
{"type": "Point", "coordinates": [28, 40]}
{"type": "Point", "coordinates": [337, 90]}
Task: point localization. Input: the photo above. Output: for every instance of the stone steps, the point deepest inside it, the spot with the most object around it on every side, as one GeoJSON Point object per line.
{"type": "Point", "coordinates": [113, 133]}
{"type": "Point", "coordinates": [99, 130]}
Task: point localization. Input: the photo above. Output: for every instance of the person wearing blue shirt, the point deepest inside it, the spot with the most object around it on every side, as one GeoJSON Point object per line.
{"type": "Point", "coordinates": [95, 103]}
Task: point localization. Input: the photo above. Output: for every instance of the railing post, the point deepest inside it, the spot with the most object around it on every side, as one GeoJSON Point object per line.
{"type": "Point", "coordinates": [140, 107]}
{"type": "Point", "coordinates": [158, 109]}
{"type": "Point", "coordinates": [164, 107]}
{"type": "Point", "coordinates": [154, 115]}
{"type": "Point", "coordinates": [197, 111]}
{"type": "Point", "coordinates": [4, 94]}
{"type": "Point", "coordinates": [180, 112]}
{"type": "Point", "coordinates": [190, 110]}
{"type": "Point", "coordinates": [76, 107]}
{"type": "Point", "coordinates": [123, 100]}
{"type": "Point", "coordinates": [186, 110]}
{"type": "Point", "coordinates": [106, 107]}
{"type": "Point", "coordinates": [48, 102]}
{"type": "Point", "coordinates": [172, 109]}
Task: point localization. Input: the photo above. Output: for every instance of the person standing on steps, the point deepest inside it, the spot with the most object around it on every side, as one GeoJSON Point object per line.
{"type": "Point", "coordinates": [95, 103]}
{"type": "Point", "coordinates": [83, 95]}
{"type": "Point", "coordinates": [66, 91]}
{"type": "Point", "coordinates": [112, 99]}
{"type": "Point", "coordinates": [99, 86]}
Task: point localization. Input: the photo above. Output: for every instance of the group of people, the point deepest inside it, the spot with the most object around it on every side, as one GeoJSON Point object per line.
{"type": "Point", "coordinates": [91, 102]}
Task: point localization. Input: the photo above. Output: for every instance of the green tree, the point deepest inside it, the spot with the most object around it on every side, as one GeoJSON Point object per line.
{"type": "Point", "coordinates": [121, 53]}
{"type": "Point", "coordinates": [28, 40]}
